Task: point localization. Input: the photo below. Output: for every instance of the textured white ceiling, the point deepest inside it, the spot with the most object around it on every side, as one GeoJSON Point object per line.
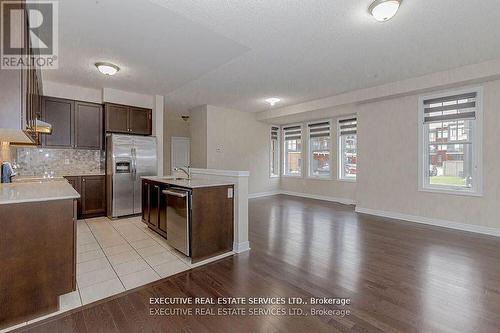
{"type": "Point", "coordinates": [298, 50]}
{"type": "Point", "coordinates": [157, 49]}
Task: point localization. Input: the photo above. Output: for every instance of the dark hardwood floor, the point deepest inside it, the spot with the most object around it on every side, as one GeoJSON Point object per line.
{"type": "Point", "coordinates": [400, 277]}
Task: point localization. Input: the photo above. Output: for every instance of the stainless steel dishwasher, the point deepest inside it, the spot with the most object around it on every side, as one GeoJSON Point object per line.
{"type": "Point", "coordinates": [178, 206]}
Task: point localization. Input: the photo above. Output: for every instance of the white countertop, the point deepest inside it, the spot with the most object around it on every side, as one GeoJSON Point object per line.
{"type": "Point", "coordinates": [193, 183]}
{"type": "Point", "coordinates": [36, 191]}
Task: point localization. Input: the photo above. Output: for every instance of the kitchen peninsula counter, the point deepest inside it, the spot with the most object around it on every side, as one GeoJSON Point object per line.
{"type": "Point", "coordinates": [37, 248]}
{"type": "Point", "coordinates": [192, 183]}
{"type": "Point", "coordinates": [36, 191]}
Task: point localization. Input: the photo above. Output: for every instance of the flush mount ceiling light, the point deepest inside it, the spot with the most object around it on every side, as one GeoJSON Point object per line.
{"type": "Point", "coordinates": [383, 10]}
{"type": "Point", "coordinates": [272, 101]}
{"type": "Point", "coordinates": [107, 68]}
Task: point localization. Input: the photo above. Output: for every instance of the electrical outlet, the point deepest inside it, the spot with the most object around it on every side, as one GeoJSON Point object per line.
{"type": "Point", "coordinates": [66, 161]}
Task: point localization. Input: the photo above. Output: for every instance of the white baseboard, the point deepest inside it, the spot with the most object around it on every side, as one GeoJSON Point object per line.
{"type": "Point", "coordinates": [263, 194]}
{"type": "Point", "coordinates": [344, 201]}
{"type": "Point", "coordinates": [241, 247]}
{"type": "Point", "coordinates": [431, 221]}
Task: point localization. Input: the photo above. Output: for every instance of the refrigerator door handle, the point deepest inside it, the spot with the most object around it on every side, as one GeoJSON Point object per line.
{"type": "Point", "coordinates": [134, 163]}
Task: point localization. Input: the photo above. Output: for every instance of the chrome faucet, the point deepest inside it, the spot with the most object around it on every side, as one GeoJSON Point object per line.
{"type": "Point", "coordinates": [186, 170]}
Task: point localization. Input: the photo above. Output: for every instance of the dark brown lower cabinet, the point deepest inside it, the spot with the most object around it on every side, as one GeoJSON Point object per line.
{"type": "Point", "coordinates": [76, 183]}
{"type": "Point", "coordinates": [93, 196]}
{"type": "Point", "coordinates": [92, 190]}
{"type": "Point", "coordinates": [212, 217]}
{"type": "Point", "coordinates": [154, 207]}
{"type": "Point", "coordinates": [162, 212]}
{"type": "Point", "coordinates": [154, 200]}
{"type": "Point", "coordinates": [145, 201]}
{"type": "Point", "coordinates": [38, 258]}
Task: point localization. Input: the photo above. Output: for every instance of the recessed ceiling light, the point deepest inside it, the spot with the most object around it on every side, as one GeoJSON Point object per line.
{"type": "Point", "coordinates": [383, 10]}
{"type": "Point", "coordinates": [107, 68]}
{"type": "Point", "coordinates": [272, 101]}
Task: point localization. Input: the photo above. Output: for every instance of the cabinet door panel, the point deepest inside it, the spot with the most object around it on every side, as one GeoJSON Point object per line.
{"type": "Point", "coordinates": [145, 201]}
{"type": "Point", "coordinates": [153, 205]}
{"type": "Point", "coordinates": [88, 125]}
{"type": "Point", "coordinates": [59, 113]}
{"type": "Point", "coordinates": [75, 181]}
{"type": "Point", "coordinates": [93, 195]}
{"type": "Point", "coordinates": [140, 121]}
{"type": "Point", "coordinates": [117, 118]}
{"type": "Point", "coordinates": [162, 212]}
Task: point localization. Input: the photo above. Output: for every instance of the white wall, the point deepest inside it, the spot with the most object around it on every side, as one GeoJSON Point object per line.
{"type": "Point", "coordinates": [128, 98]}
{"type": "Point", "coordinates": [232, 140]}
{"type": "Point", "coordinates": [198, 134]}
{"type": "Point", "coordinates": [388, 167]}
{"type": "Point", "coordinates": [158, 131]}
{"type": "Point", "coordinates": [237, 141]}
{"type": "Point", "coordinates": [61, 90]}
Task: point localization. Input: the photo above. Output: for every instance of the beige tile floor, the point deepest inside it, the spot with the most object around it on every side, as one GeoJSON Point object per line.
{"type": "Point", "coordinates": [114, 256]}
{"type": "Point", "coordinates": [117, 255]}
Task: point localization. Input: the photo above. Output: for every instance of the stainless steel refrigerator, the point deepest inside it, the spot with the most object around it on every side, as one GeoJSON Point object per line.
{"type": "Point", "coordinates": [128, 158]}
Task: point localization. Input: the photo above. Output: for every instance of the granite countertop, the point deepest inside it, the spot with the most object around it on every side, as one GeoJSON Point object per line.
{"type": "Point", "coordinates": [193, 183]}
{"type": "Point", "coordinates": [36, 191]}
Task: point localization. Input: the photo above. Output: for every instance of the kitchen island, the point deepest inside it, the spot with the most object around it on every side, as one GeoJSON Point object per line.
{"type": "Point", "coordinates": [37, 248]}
{"type": "Point", "coordinates": [195, 216]}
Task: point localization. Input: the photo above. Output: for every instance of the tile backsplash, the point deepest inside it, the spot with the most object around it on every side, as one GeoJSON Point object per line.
{"type": "Point", "coordinates": [58, 162]}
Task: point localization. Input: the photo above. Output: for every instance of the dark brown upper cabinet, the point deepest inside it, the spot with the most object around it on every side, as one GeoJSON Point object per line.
{"type": "Point", "coordinates": [20, 92]}
{"type": "Point", "coordinates": [75, 124]}
{"type": "Point", "coordinates": [88, 125]}
{"type": "Point", "coordinates": [117, 118]}
{"type": "Point", "coordinates": [140, 121]}
{"type": "Point", "coordinates": [60, 114]}
{"type": "Point", "coordinates": [127, 119]}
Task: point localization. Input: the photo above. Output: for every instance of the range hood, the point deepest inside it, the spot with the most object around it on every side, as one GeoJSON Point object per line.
{"type": "Point", "coordinates": [43, 127]}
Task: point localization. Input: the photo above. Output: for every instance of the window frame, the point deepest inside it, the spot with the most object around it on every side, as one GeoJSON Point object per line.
{"type": "Point", "coordinates": [309, 150]}
{"type": "Point", "coordinates": [340, 160]}
{"type": "Point", "coordinates": [271, 157]}
{"type": "Point", "coordinates": [283, 151]}
{"type": "Point", "coordinates": [477, 147]}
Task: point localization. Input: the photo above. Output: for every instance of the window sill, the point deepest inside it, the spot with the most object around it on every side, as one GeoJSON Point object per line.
{"type": "Point", "coordinates": [319, 178]}
{"type": "Point", "coordinates": [450, 191]}
{"type": "Point", "coordinates": [290, 176]}
{"type": "Point", "coordinates": [347, 180]}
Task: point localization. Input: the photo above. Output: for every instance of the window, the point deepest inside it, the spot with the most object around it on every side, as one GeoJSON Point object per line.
{"type": "Point", "coordinates": [347, 138]}
{"type": "Point", "coordinates": [292, 150]}
{"type": "Point", "coordinates": [275, 152]}
{"type": "Point", "coordinates": [450, 139]}
{"type": "Point", "coordinates": [319, 149]}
